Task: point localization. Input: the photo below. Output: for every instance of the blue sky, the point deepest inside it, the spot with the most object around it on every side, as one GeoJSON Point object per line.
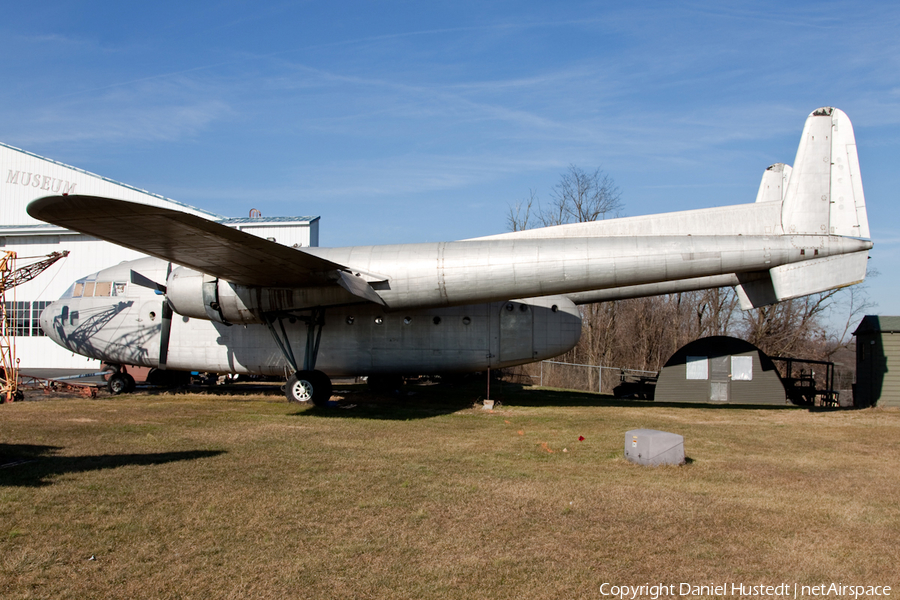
{"type": "Point", "coordinates": [425, 121]}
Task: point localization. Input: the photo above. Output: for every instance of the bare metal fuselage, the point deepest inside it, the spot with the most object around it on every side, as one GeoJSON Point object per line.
{"type": "Point", "coordinates": [362, 338]}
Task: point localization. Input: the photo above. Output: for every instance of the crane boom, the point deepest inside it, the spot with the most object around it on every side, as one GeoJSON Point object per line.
{"type": "Point", "coordinates": [10, 277]}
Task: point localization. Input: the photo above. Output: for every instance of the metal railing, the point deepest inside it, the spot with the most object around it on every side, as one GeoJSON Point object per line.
{"type": "Point", "coordinates": [588, 378]}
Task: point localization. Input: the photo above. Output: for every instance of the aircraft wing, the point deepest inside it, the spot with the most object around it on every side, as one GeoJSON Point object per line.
{"type": "Point", "coordinates": [188, 240]}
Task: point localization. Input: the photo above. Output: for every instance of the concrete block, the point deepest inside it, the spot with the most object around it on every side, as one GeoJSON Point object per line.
{"type": "Point", "coordinates": [652, 447]}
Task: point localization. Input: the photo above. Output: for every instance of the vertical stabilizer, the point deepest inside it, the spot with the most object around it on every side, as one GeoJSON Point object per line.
{"type": "Point", "coordinates": [824, 194]}
{"type": "Point", "coordinates": [774, 183]}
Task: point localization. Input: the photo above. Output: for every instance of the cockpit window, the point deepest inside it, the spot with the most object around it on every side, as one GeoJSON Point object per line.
{"type": "Point", "coordinates": [87, 289]}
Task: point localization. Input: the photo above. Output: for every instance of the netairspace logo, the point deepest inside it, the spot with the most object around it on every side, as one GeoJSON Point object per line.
{"type": "Point", "coordinates": [782, 590]}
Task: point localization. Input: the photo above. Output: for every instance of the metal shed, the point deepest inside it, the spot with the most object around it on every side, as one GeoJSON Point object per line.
{"type": "Point", "coordinates": [877, 362]}
{"type": "Point", "coordinates": [720, 369]}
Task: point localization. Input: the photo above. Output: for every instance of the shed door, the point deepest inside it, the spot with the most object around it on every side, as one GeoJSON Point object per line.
{"type": "Point", "coordinates": [720, 378]}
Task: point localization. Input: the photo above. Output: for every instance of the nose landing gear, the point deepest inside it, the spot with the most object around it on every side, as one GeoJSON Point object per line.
{"type": "Point", "coordinates": [120, 383]}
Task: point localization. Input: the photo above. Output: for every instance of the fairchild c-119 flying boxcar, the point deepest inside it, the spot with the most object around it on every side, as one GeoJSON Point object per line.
{"type": "Point", "coordinates": [220, 300]}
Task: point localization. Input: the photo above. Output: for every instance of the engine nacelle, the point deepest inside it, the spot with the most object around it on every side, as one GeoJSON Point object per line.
{"type": "Point", "coordinates": [194, 294]}
{"type": "Point", "coordinates": [201, 296]}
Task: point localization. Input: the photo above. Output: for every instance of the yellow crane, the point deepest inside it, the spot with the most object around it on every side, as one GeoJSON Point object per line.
{"type": "Point", "coordinates": [10, 277]}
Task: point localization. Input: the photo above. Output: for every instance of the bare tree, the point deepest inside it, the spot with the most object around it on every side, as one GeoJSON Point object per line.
{"type": "Point", "coordinates": [519, 217]}
{"type": "Point", "coordinates": [579, 197]}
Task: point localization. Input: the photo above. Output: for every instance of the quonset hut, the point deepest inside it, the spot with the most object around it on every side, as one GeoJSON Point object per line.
{"type": "Point", "coordinates": [720, 369]}
{"type": "Point", "coordinates": [877, 362]}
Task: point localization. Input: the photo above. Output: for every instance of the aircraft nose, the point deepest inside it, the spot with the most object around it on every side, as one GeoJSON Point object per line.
{"type": "Point", "coordinates": [51, 321]}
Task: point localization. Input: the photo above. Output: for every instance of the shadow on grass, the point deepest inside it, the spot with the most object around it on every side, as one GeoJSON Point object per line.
{"type": "Point", "coordinates": [26, 465]}
{"type": "Point", "coordinates": [528, 396]}
{"type": "Point", "coordinates": [227, 389]}
{"type": "Point", "coordinates": [427, 401]}
{"type": "Point", "coordinates": [409, 404]}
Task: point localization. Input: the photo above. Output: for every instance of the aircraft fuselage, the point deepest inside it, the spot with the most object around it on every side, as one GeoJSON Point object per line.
{"type": "Point", "coordinates": [104, 316]}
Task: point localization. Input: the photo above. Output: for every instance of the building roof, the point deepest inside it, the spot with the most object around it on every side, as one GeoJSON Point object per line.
{"type": "Point", "coordinates": [27, 227]}
{"type": "Point", "coordinates": [878, 323]}
{"type": "Point", "coordinates": [208, 214]}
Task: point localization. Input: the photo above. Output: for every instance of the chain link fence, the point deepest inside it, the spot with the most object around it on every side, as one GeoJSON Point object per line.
{"type": "Point", "coordinates": [574, 376]}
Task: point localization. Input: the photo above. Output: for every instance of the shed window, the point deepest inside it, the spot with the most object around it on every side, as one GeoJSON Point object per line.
{"type": "Point", "coordinates": [742, 368]}
{"type": "Point", "coordinates": [697, 367]}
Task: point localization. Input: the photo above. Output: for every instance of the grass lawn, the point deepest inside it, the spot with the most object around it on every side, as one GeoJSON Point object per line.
{"type": "Point", "coordinates": [247, 496]}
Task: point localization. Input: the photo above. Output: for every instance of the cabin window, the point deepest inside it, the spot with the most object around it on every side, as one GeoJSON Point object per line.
{"type": "Point", "coordinates": [436, 320]}
{"type": "Point", "coordinates": [466, 320]}
{"type": "Point", "coordinates": [79, 289]}
{"type": "Point", "coordinates": [89, 289]}
{"type": "Point", "coordinates": [103, 288]}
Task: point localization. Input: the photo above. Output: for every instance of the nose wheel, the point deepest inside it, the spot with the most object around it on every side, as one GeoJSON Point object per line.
{"type": "Point", "coordinates": [309, 386]}
{"type": "Point", "coordinates": [120, 383]}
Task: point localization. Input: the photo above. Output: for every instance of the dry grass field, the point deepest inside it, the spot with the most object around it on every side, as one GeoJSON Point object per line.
{"type": "Point", "coordinates": [246, 496]}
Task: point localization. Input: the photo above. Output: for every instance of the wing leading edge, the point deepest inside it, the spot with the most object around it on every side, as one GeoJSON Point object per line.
{"type": "Point", "coordinates": [188, 240]}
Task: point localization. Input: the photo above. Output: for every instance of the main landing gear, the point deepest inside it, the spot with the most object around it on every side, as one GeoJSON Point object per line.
{"type": "Point", "coordinates": [307, 384]}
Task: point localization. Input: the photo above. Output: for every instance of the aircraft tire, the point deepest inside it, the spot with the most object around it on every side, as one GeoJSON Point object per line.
{"type": "Point", "coordinates": [132, 385]}
{"type": "Point", "coordinates": [299, 388]}
{"type": "Point", "coordinates": [309, 386]}
{"type": "Point", "coordinates": [118, 384]}
{"type": "Point", "coordinates": [322, 388]}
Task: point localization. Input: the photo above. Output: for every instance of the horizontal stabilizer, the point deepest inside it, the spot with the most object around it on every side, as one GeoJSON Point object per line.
{"type": "Point", "coordinates": [755, 292]}
{"type": "Point", "coordinates": [803, 278]}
